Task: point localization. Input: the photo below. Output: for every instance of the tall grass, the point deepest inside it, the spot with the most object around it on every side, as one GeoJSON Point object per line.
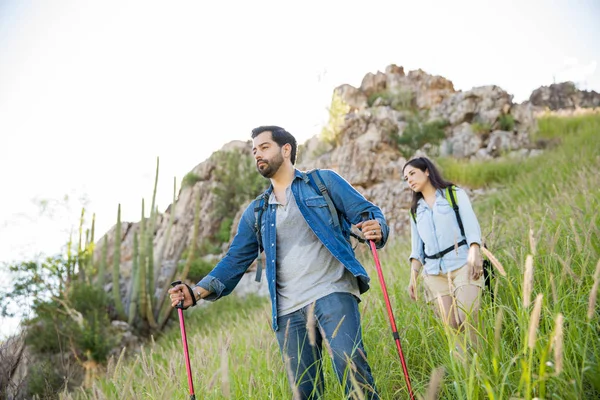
{"type": "Point", "coordinates": [538, 338]}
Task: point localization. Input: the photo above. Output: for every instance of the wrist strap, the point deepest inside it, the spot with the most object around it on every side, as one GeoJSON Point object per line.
{"type": "Point", "coordinates": [194, 301]}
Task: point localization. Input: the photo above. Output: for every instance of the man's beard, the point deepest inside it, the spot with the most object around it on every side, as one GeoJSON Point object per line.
{"type": "Point", "coordinates": [272, 166]}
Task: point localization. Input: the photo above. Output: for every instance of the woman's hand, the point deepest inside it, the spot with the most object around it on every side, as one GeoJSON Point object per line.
{"type": "Point", "coordinates": [475, 262]}
{"type": "Point", "coordinates": [415, 268]}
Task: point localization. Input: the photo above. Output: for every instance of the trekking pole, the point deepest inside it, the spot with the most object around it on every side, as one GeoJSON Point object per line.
{"type": "Point", "coordinates": [365, 216]}
{"type": "Point", "coordinates": [186, 354]}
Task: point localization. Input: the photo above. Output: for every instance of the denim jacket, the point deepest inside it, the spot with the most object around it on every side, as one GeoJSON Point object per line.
{"type": "Point", "coordinates": [438, 228]}
{"type": "Point", "coordinates": [244, 247]}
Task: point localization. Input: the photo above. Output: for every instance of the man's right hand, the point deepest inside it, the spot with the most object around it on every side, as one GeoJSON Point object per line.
{"type": "Point", "coordinates": [178, 293]}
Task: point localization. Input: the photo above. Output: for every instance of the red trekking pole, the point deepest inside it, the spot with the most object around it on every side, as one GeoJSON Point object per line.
{"type": "Point", "coordinates": [390, 313]}
{"type": "Point", "coordinates": [185, 346]}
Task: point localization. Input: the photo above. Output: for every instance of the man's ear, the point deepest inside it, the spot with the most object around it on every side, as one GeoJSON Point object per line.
{"type": "Point", "coordinates": [287, 150]}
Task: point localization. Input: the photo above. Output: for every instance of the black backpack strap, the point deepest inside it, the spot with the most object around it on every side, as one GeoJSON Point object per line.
{"type": "Point", "coordinates": [450, 194]}
{"type": "Point", "coordinates": [259, 209]}
{"type": "Point", "coordinates": [314, 176]}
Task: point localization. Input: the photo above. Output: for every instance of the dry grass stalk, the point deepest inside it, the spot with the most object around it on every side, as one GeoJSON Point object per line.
{"type": "Point", "coordinates": [597, 272]}
{"type": "Point", "coordinates": [498, 329]}
{"type": "Point", "coordinates": [534, 320]}
{"type": "Point", "coordinates": [291, 377]}
{"type": "Point", "coordinates": [494, 261]}
{"type": "Point", "coordinates": [532, 244]}
{"type": "Point", "coordinates": [225, 385]}
{"type": "Point", "coordinates": [566, 267]}
{"type": "Point", "coordinates": [357, 392]}
{"type": "Point", "coordinates": [553, 288]}
{"type": "Point", "coordinates": [337, 328]}
{"type": "Point", "coordinates": [311, 325]}
{"type": "Point", "coordinates": [435, 382]}
{"type": "Point", "coordinates": [528, 281]}
{"type": "Point", "coordinates": [592, 301]}
{"type": "Point", "coordinates": [576, 236]}
{"type": "Point", "coordinates": [557, 344]}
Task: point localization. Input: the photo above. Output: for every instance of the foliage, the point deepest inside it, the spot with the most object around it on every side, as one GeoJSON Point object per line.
{"type": "Point", "coordinates": [189, 179]}
{"type": "Point", "coordinates": [43, 381]}
{"type": "Point", "coordinates": [399, 100]}
{"type": "Point", "coordinates": [506, 122]}
{"type": "Point", "coordinates": [481, 128]}
{"type": "Point", "coordinates": [417, 133]}
{"type": "Point", "coordinates": [518, 355]}
{"type": "Point", "coordinates": [237, 182]}
{"type": "Point", "coordinates": [224, 229]}
{"type": "Point", "coordinates": [199, 268]}
{"type": "Point", "coordinates": [337, 114]}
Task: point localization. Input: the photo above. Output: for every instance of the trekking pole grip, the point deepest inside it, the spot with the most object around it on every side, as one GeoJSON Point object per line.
{"type": "Point", "coordinates": [180, 304]}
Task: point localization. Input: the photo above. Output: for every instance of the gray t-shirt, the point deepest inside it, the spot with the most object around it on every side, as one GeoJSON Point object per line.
{"type": "Point", "coordinates": [306, 270]}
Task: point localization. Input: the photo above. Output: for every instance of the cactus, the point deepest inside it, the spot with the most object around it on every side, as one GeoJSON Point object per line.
{"type": "Point", "coordinates": [194, 244]}
{"type": "Point", "coordinates": [103, 263]}
{"type": "Point", "coordinates": [81, 249]}
{"type": "Point", "coordinates": [142, 265]}
{"type": "Point", "coordinates": [116, 269]}
{"type": "Point", "coordinates": [150, 238]}
{"type": "Point", "coordinates": [135, 280]}
{"type": "Point", "coordinates": [162, 312]}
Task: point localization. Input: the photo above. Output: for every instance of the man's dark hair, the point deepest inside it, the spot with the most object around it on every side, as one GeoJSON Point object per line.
{"type": "Point", "coordinates": [425, 164]}
{"type": "Point", "coordinates": [280, 136]}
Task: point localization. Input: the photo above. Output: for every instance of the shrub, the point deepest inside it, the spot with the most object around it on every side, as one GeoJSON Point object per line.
{"type": "Point", "coordinates": [189, 179]}
{"type": "Point", "coordinates": [481, 128]}
{"type": "Point", "coordinates": [506, 122]}
{"type": "Point", "coordinates": [417, 134]}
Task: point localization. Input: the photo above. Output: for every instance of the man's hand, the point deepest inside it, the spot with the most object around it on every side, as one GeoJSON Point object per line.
{"type": "Point", "coordinates": [475, 262]}
{"type": "Point", "coordinates": [178, 293]}
{"type": "Point", "coordinates": [371, 230]}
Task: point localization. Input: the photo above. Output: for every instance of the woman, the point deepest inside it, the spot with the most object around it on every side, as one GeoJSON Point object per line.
{"type": "Point", "coordinates": [451, 259]}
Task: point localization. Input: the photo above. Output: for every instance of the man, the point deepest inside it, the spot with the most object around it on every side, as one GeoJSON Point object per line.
{"type": "Point", "coordinates": [313, 276]}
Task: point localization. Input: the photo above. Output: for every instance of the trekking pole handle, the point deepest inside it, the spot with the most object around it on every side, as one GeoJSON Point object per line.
{"type": "Point", "coordinates": [180, 304]}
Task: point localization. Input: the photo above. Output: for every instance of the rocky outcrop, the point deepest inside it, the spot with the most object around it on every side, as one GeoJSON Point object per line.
{"type": "Point", "coordinates": [565, 95]}
{"type": "Point", "coordinates": [480, 123]}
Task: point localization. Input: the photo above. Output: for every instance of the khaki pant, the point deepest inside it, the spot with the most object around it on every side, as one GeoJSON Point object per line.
{"type": "Point", "coordinates": [447, 284]}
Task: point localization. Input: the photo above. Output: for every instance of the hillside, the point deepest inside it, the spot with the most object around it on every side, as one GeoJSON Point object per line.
{"type": "Point", "coordinates": [547, 208]}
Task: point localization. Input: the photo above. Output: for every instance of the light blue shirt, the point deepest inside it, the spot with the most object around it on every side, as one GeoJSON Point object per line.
{"type": "Point", "coordinates": [438, 228]}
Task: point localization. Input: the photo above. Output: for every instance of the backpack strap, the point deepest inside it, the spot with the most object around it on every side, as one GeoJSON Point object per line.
{"type": "Point", "coordinates": [450, 196]}
{"type": "Point", "coordinates": [262, 203]}
{"type": "Point", "coordinates": [314, 177]}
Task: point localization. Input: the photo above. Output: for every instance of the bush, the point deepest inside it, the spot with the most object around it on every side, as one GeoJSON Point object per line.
{"type": "Point", "coordinates": [506, 122]}
{"type": "Point", "coordinates": [481, 128]}
{"type": "Point", "coordinates": [189, 179]}
{"type": "Point", "coordinates": [417, 134]}
{"type": "Point", "coordinates": [399, 100]}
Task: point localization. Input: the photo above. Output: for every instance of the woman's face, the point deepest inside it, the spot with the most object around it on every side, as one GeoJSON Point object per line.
{"type": "Point", "coordinates": [416, 178]}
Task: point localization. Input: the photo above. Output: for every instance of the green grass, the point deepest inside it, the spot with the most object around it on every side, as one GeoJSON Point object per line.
{"type": "Point", "coordinates": [555, 196]}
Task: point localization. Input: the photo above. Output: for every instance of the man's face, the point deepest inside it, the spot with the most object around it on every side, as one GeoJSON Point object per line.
{"type": "Point", "coordinates": [268, 154]}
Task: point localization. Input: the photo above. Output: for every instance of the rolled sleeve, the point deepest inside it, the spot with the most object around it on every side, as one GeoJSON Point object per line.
{"type": "Point", "coordinates": [416, 247]}
{"type": "Point", "coordinates": [213, 285]}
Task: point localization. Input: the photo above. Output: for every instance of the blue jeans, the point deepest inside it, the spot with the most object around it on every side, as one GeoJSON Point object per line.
{"type": "Point", "coordinates": [336, 320]}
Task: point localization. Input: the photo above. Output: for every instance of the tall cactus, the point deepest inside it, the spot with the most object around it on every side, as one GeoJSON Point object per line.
{"type": "Point", "coordinates": [81, 254]}
{"type": "Point", "coordinates": [142, 264]}
{"type": "Point", "coordinates": [161, 315]}
{"type": "Point", "coordinates": [116, 269]}
{"type": "Point", "coordinates": [135, 280]}
{"type": "Point", "coordinates": [194, 244]}
{"type": "Point", "coordinates": [150, 238]}
{"type": "Point", "coordinates": [103, 263]}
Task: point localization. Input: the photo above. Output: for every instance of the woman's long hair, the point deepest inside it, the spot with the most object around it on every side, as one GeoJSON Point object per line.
{"type": "Point", "coordinates": [425, 164]}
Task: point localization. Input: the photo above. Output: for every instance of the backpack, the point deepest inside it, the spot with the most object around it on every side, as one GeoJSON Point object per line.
{"type": "Point", "coordinates": [488, 271]}
{"type": "Point", "coordinates": [314, 178]}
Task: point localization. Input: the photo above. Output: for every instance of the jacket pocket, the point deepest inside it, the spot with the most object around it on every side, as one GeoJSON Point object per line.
{"type": "Point", "coordinates": [319, 206]}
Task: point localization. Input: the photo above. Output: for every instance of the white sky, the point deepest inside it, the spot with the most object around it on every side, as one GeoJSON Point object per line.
{"type": "Point", "coordinates": [92, 92]}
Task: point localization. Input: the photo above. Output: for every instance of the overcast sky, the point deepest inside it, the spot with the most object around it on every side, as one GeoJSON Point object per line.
{"type": "Point", "coordinates": [91, 92]}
